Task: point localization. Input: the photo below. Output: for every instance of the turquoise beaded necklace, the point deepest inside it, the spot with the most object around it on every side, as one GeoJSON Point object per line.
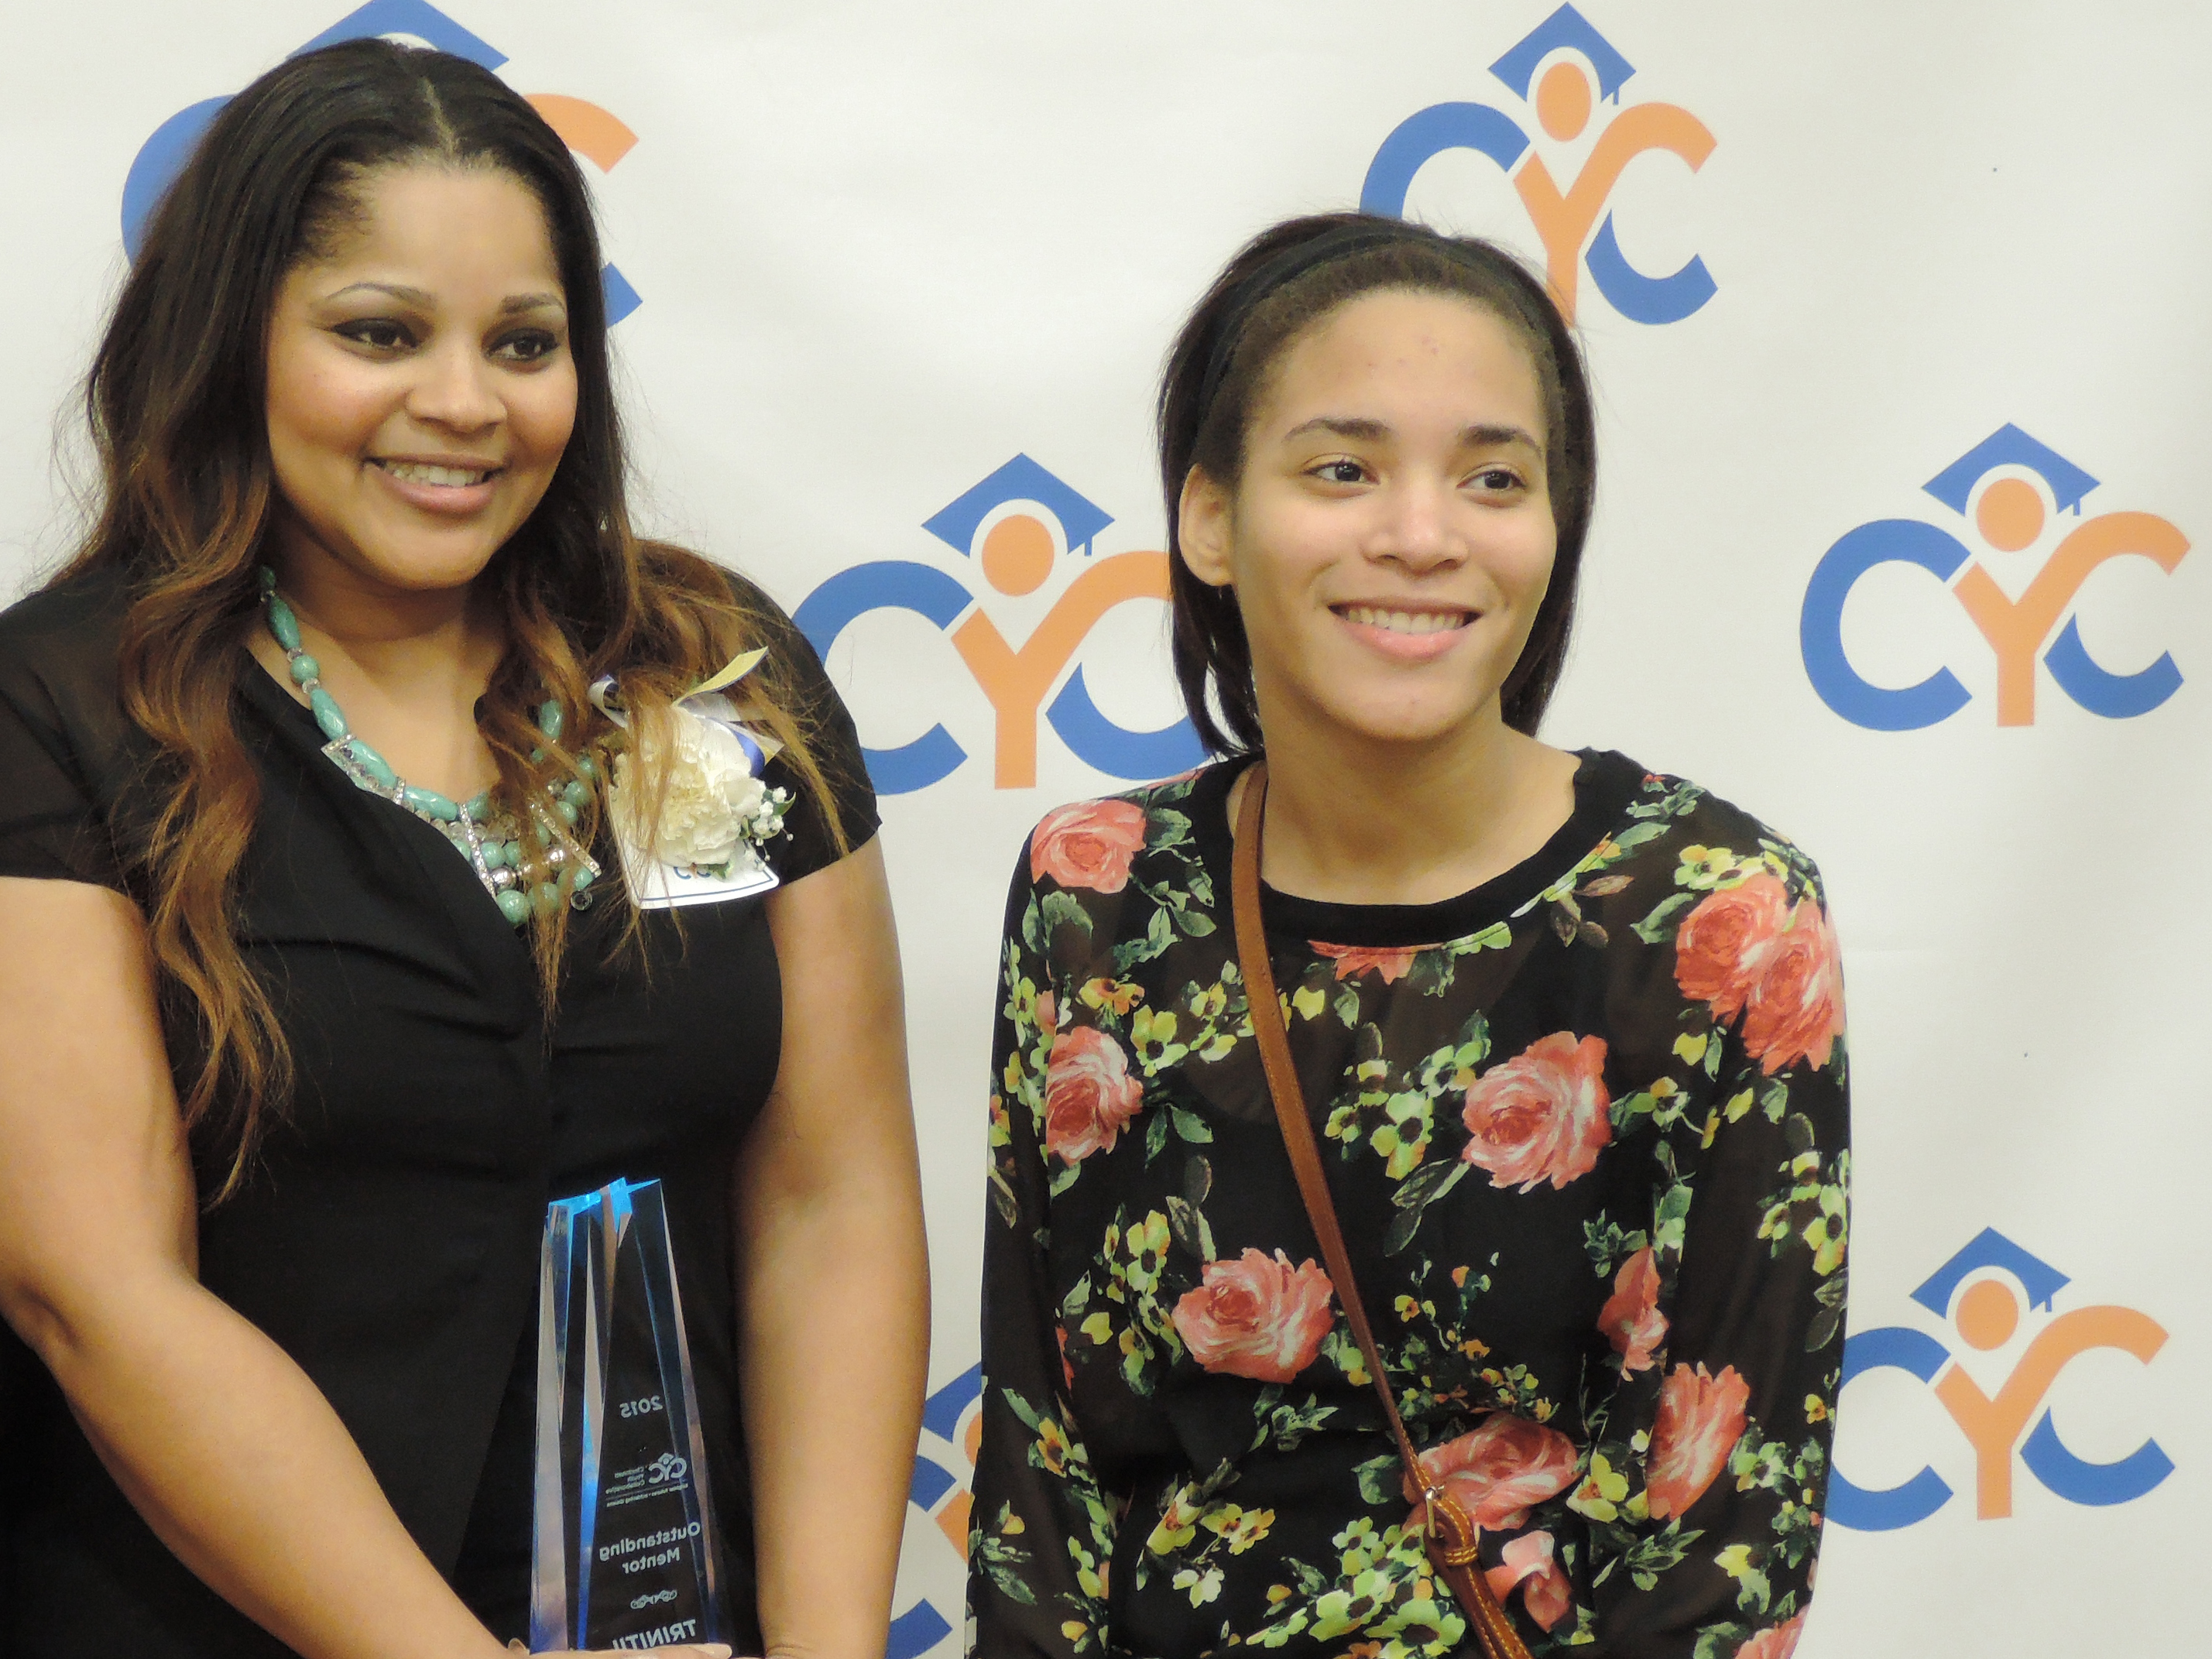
{"type": "Point", "coordinates": [493, 842]}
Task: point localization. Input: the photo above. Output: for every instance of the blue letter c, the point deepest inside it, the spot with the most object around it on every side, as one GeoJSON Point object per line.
{"type": "Point", "coordinates": [1820, 626]}
{"type": "Point", "coordinates": [890, 585]}
{"type": "Point", "coordinates": [1896, 1347]}
{"type": "Point", "coordinates": [1428, 133]}
{"type": "Point", "coordinates": [2079, 1481]}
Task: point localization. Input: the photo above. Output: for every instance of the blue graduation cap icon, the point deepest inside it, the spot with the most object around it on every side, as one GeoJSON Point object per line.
{"type": "Point", "coordinates": [163, 155]}
{"type": "Point", "coordinates": [2010, 447]}
{"type": "Point", "coordinates": [416, 17]}
{"type": "Point", "coordinates": [1991, 1249]}
{"type": "Point", "coordinates": [1565, 27]}
{"type": "Point", "coordinates": [1020, 479]}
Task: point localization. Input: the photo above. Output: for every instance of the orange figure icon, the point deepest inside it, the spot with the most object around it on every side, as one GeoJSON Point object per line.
{"type": "Point", "coordinates": [1988, 1315]}
{"type": "Point", "coordinates": [1565, 219]}
{"type": "Point", "coordinates": [2017, 629]}
{"type": "Point", "coordinates": [1017, 681]}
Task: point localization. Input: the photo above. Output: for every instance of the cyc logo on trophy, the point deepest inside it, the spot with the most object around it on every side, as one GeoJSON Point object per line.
{"type": "Point", "coordinates": [626, 1555]}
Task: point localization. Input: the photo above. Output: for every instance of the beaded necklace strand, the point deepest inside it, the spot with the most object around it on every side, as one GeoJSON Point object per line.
{"type": "Point", "coordinates": [492, 840]}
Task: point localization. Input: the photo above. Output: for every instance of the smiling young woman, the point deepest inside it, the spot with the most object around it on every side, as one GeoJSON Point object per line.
{"type": "Point", "coordinates": [1390, 544]}
{"type": "Point", "coordinates": [1572, 1034]}
{"type": "Point", "coordinates": [412, 430]}
{"type": "Point", "coordinates": [311, 1000]}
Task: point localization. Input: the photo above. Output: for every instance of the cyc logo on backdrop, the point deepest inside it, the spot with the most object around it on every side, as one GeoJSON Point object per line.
{"type": "Point", "coordinates": [1981, 1292]}
{"type": "Point", "coordinates": [1570, 54]}
{"type": "Point", "coordinates": [944, 1472]}
{"type": "Point", "coordinates": [1014, 525]}
{"type": "Point", "coordinates": [589, 131]}
{"type": "Point", "coordinates": [2015, 487]}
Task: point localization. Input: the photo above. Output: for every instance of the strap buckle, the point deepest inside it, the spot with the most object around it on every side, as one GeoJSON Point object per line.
{"type": "Point", "coordinates": [1453, 1536]}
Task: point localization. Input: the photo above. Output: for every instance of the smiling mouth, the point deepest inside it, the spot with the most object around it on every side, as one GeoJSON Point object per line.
{"type": "Point", "coordinates": [445, 477]}
{"type": "Point", "coordinates": [1404, 621]}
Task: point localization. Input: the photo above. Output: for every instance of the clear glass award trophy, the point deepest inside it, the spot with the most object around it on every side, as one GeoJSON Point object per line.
{"type": "Point", "coordinates": [625, 1553]}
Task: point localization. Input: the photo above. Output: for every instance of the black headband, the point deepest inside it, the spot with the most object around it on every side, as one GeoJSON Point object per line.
{"type": "Point", "coordinates": [1338, 242]}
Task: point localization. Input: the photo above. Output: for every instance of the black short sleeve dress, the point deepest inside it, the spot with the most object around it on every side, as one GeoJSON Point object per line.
{"type": "Point", "coordinates": [388, 1241]}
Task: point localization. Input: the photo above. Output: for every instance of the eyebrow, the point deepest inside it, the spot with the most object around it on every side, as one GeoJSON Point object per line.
{"type": "Point", "coordinates": [416, 296]}
{"type": "Point", "coordinates": [1479, 436]}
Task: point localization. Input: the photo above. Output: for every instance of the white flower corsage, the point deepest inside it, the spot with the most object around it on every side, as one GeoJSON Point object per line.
{"type": "Point", "coordinates": [701, 839]}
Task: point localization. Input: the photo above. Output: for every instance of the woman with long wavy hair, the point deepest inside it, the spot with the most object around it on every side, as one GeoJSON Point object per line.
{"type": "Point", "coordinates": [349, 768]}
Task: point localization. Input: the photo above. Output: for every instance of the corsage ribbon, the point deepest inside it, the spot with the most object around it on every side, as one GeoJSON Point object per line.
{"type": "Point", "coordinates": [708, 701]}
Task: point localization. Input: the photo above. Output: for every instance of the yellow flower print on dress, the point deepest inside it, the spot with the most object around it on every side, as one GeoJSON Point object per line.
{"type": "Point", "coordinates": [1239, 1528]}
{"type": "Point", "coordinates": [1105, 994]}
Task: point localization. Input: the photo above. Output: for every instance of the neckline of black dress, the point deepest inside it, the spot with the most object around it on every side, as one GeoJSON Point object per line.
{"type": "Point", "coordinates": [1605, 783]}
{"type": "Point", "coordinates": [462, 898]}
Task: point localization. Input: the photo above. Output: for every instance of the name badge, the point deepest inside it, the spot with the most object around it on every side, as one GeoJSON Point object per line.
{"type": "Point", "coordinates": [658, 885]}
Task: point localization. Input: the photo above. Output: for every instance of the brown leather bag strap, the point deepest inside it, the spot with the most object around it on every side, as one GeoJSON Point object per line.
{"type": "Point", "coordinates": [1450, 1534]}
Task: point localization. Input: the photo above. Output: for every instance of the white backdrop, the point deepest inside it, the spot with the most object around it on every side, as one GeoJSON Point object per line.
{"type": "Point", "coordinates": [883, 250]}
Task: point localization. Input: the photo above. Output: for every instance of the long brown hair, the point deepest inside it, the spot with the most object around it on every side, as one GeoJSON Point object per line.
{"type": "Point", "coordinates": [176, 400]}
{"type": "Point", "coordinates": [1280, 284]}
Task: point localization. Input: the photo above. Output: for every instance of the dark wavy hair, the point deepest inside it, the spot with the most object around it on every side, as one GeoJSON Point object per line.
{"type": "Point", "coordinates": [176, 399]}
{"type": "Point", "coordinates": [1280, 285]}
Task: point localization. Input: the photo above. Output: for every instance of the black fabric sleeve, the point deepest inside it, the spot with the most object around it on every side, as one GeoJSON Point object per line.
{"type": "Point", "coordinates": [1043, 1530]}
{"type": "Point", "coordinates": [1750, 1366]}
{"type": "Point", "coordinates": [807, 843]}
{"type": "Point", "coordinates": [62, 736]}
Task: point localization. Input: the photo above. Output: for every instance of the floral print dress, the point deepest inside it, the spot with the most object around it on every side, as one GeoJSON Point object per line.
{"type": "Point", "coordinates": [1586, 1130]}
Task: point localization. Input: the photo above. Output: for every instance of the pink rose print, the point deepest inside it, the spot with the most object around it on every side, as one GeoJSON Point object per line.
{"type": "Point", "coordinates": [1500, 1468]}
{"type": "Point", "coordinates": [1747, 948]}
{"type": "Point", "coordinates": [1542, 1116]}
{"type": "Point", "coordinates": [1630, 1318]}
{"type": "Point", "coordinates": [1089, 1094]}
{"type": "Point", "coordinates": [1351, 959]}
{"type": "Point", "coordinates": [1721, 945]}
{"type": "Point", "coordinates": [1701, 1418]}
{"type": "Point", "coordinates": [1048, 1014]}
{"type": "Point", "coordinates": [1089, 843]}
{"type": "Point", "coordinates": [1544, 1589]}
{"type": "Point", "coordinates": [1778, 1642]}
{"type": "Point", "coordinates": [1796, 1009]}
{"type": "Point", "coordinates": [1256, 1318]}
